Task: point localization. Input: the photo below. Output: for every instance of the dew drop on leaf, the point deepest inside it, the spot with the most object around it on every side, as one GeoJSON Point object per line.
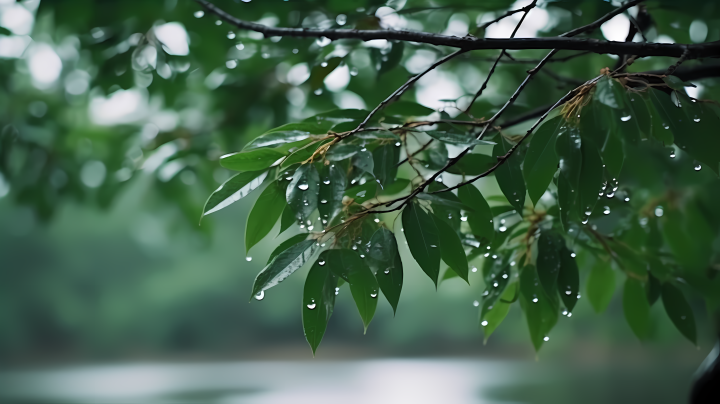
{"type": "Point", "coordinates": [260, 295]}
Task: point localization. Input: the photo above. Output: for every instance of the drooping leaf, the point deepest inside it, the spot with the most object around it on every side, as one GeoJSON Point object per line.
{"type": "Point", "coordinates": [568, 280]}
{"type": "Point", "coordinates": [567, 202]}
{"type": "Point", "coordinates": [363, 192]}
{"type": "Point", "coordinates": [473, 164]}
{"type": "Point", "coordinates": [384, 259]}
{"type": "Point", "coordinates": [376, 134]}
{"type": "Point", "coordinates": [541, 160]}
{"type": "Point", "coordinates": [679, 311]}
{"type": "Point", "coordinates": [636, 307]}
{"type": "Point", "coordinates": [252, 160]}
{"type": "Point", "coordinates": [318, 301]}
{"type": "Point", "coordinates": [364, 161]}
{"type": "Point", "coordinates": [480, 218]}
{"type": "Point", "coordinates": [385, 159]}
{"type": "Point", "coordinates": [550, 244]}
{"type": "Point", "coordinates": [302, 192]}
{"type": "Point", "coordinates": [319, 72]}
{"type": "Point", "coordinates": [541, 310]}
{"type": "Point", "coordinates": [342, 151]}
{"type": "Point", "coordinates": [509, 175]}
{"type": "Point", "coordinates": [332, 189]}
{"type": "Point", "coordinates": [407, 108]}
{"type": "Point", "coordinates": [302, 154]}
{"type": "Point", "coordinates": [591, 174]}
{"type": "Point", "coordinates": [265, 213]}
{"type": "Point", "coordinates": [423, 239]}
{"type": "Point", "coordinates": [364, 287]}
{"type": "Point", "coordinates": [287, 244]}
{"type": "Point", "coordinates": [287, 219]}
{"type": "Point", "coordinates": [454, 138]}
{"type": "Point", "coordinates": [568, 149]}
{"type": "Point", "coordinates": [451, 249]}
{"type": "Point", "coordinates": [272, 139]}
{"type": "Point", "coordinates": [594, 122]}
{"type": "Point", "coordinates": [653, 289]}
{"type": "Point", "coordinates": [496, 274]}
{"type": "Point", "coordinates": [493, 317]}
{"type": "Point", "coordinates": [234, 189]}
{"type": "Point", "coordinates": [600, 285]}
{"type": "Point", "coordinates": [283, 265]}
{"type": "Point", "coordinates": [437, 155]}
{"type": "Point", "coordinates": [392, 59]}
{"type": "Point", "coordinates": [638, 116]}
{"type": "Point", "coordinates": [445, 200]}
{"type": "Point", "coordinates": [396, 187]}
{"type": "Point", "coordinates": [608, 91]}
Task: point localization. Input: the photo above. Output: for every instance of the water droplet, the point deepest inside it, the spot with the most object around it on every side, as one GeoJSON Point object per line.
{"type": "Point", "coordinates": [377, 220]}
{"type": "Point", "coordinates": [610, 195]}
{"type": "Point", "coordinates": [585, 221]}
{"type": "Point", "coordinates": [218, 22]}
{"type": "Point", "coordinates": [433, 246]}
{"type": "Point", "coordinates": [494, 257]}
{"type": "Point", "coordinates": [199, 14]}
{"type": "Point", "coordinates": [606, 211]}
{"type": "Point", "coordinates": [387, 271]}
{"type": "Point", "coordinates": [535, 300]}
{"type": "Point", "coordinates": [573, 255]}
{"type": "Point", "coordinates": [495, 284]}
{"type": "Point", "coordinates": [318, 91]}
{"type": "Point", "coordinates": [502, 229]}
{"type": "Point", "coordinates": [666, 126]}
{"type": "Point", "coordinates": [474, 269]}
{"type": "Point", "coordinates": [311, 306]}
{"type": "Point", "coordinates": [672, 154]}
{"type": "Point", "coordinates": [322, 41]}
{"type": "Point", "coordinates": [303, 186]}
{"type": "Point", "coordinates": [488, 247]}
{"type": "Point", "coordinates": [568, 292]}
{"type": "Point", "coordinates": [627, 199]}
{"type": "Point", "coordinates": [476, 303]}
{"type": "Point", "coordinates": [362, 256]}
{"type": "Point", "coordinates": [512, 263]}
{"type": "Point", "coordinates": [578, 296]}
{"type": "Point", "coordinates": [241, 47]}
{"type": "Point", "coordinates": [398, 144]}
{"type": "Point", "coordinates": [248, 259]}
{"type": "Point", "coordinates": [260, 295]}
{"type": "Point", "coordinates": [625, 118]}
{"type": "Point", "coordinates": [696, 119]}
{"type": "Point", "coordinates": [698, 167]}
{"type": "Point", "coordinates": [569, 314]}
{"type": "Point", "coordinates": [449, 215]}
{"type": "Point", "coordinates": [341, 19]}
{"type": "Point", "coordinates": [373, 295]}
{"type": "Point", "coordinates": [354, 247]}
{"type": "Point", "coordinates": [484, 323]}
{"type": "Point", "coordinates": [231, 35]}
{"type": "Point", "coordinates": [505, 276]}
{"type": "Point", "coordinates": [659, 211]}
{"type": "Point", "coordinates": [565, 313]}
{"type": "Point", "coordinates": [486, 255]}
{"type": "Point", "coordinates": [546, 339]}
{"type": "Point", "coordinates": [354, 71]}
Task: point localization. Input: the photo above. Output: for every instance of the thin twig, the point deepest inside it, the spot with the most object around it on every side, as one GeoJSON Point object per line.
{"type": "Point", "coordinates": [504, 16]}
{"type": "Point", "coordinates": [670, 70]}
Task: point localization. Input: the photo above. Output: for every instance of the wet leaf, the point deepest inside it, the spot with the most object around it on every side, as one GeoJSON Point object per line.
{"type": "Point", "coordinates": [541, 161]}
{"type": "Point", "coordinates": [252, 160]}
{"type": "Point", "coordinates": [332, 189]}
{"type": "Point", "coordinates": [302, 192]}
{"type": "Point", "coordinates": [364, 161]}
{"type": "Point", "coordinates": [377, 134]}
{"type": "Point", "coordinates": [541, 310]}
{"type": "Point", "coordinates": [454, 138]}
{"type": "Point", "coordinates": [473, 164]}
{"type": "Point", "coordinates": [451, 249]}
{"type": "Point", "coordinates": [392, 59]}
{"type": "Point", "coordinates": [384, 259]}
{"type": "Point", "coordinates": [287, 219]}
{"type": "Point", "coordinates": [591, 174]}
{"type": "Point", "coordinates": [600, 285]}
{"type": "Point", "coordinates": [568, 149]}
{"type": "Point", "coordinates": [609, 92]}
{"type": "Point", "coordinates": [385, 159]}
{"type": "Point", "coordinates": [480, 218]}
{"type": "Point", "coordinates": [287, 244]}
{"type": "Point", "coordinates": [318, 301]}
{"type": "Point", "coordinates": [567, 201]}
{"type": "Point", "coordinates": [319, 72]}
{"type": "Point", "coordinates": [283, 265]}
{"type": "Point", "coordinates": [407, 109]}
{"type": "Point", "coordinates": [423, 239]}
{"type": "Point", "coordinates": [361, 193]}
{"type": "Point", "coordinates": [234, 189]}
{"type": "Point", "coordinates": [364, 287]}
{"type": "Point", "coordinates": [492, 318]}
{"type": "Point", "coordinates": [342, 151]}
{"type": "Point", "coordinates": [568, 280]}
{"type": "Point", "coordinates": [265, 213]}
{"type": "Point", "coordinates": [679, 311]}
{"type": "Point", "coordinates": [437, 155]}
{"type": "Point", "coordinates": [550, 244]}
{"type": "Point", "coordinates": [509, 175]}
{"type": "Point", "coordinates": [444, 199]}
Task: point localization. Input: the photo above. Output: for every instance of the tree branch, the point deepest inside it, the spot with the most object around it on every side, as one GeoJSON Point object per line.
{"type": "Point", "coordinates": [471, 43]}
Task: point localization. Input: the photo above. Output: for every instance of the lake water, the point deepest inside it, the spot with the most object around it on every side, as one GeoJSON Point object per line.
{"type": "Point", "coordinates": [348, 382]}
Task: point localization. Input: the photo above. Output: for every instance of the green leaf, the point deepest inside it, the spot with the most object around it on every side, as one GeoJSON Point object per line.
{"type": "Point", "coordinates": [319, 72]}
{"type": "Point", "coordinates": [658, 130]}
{"type": "Point", "coordinates": [496, 274]}
{"type": "Point", "coordinates": [273, 139]}
{"type": "Point", "coordinates": [423, 239]}
{"type": "Point", "coordinates": [600, 285]}
{"type": "Point", "coordinates": [493, 317]}
{"type": "Point", "coordinates": [567, 201]}
{"type": "Point", "coordinates": [638, 116]}
{"type": "Point", "coordinates": [679, 311]}
{"type": "Point", "coordinates": [318, 301]}
{"type": "Point", "coordinates": [302, 192]}
{"type": "Point", "coordinates": [283, 265]}
{"type": "Point", "coordinates": [302, 154]}
{"type": "Point", "coordinates": [363, 285]}
{"type": "Point", "coordinates": [407, 109]}
{"type": "Point", "coordinates": [591, 174]}
{"type": "Point", "coordinates": [5, 31]}
{"type": "Point", "coordinates": [541, 310]}
{"type": "Point", "coordinates": [342, 151]}
{"type": "Point", "coordinates": [499, 210]}
{"type": "Point", "coordinates": [385, 159]}
{"type": "Point", "coordinates": [234, 189]}
{"type": "Point", "coordinates": [568, 280]}
{"type": "Point", "coordinates": [636, 307]}
{"type": "Point", "coordinates": [509, 176]}
{"type": "Point", "coordinates": [541, 160]}
{"type": "Point", "coordinates": [384, 259]}
{"type": "Point", "coordinates": [461, 139]}
{"type": "Point", "coordinates": [437, 155]}
{"type": "Point", "coordinates": [377, 134]}
{"type": "Point", "coordinates": [287, 219]}
{"type": "Point", "coordinates": [444, 199]}
{"type": "Point", "coordinates": [694, 127]}
{"type": "Point", "coordinates": [364, 161]}
{"type": "Point", "coordinates": [681, 232]}
{"type": "Point", "coordinates": [550, 244]}
{"type": "Point", "coordinates": [594, 122]}
{"type": "Point", "coordinates": [473, 164]}
{"type": "Point", "coordinates": [451, 249]}
{"type": "Point", "coordinates": [267, 210]}
{"type": "Point", "coordinates": [480, 218]}
{"type": "Point", "coordinates": [287, 244]}
{"type": "Point", "coordinates": [613, 153]}
{"type": "Point", "coordinates": [653, 289]}
{"type": "Point", "coordinates": [396, 187]}
{"type": "Point", "coordinates": [253, 160]}
{"type": "Point", "coordinates": [332, 189]}
{"type": "Point", "coordinates": [568, 149]}
{"type": "Point", "coordinates": [609, 92]}
{"type": "Point", "coordinates": [362, 193]}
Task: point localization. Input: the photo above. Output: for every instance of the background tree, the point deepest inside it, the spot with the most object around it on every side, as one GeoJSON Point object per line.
{"type": "Point", "coordinates": [604, 163]}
